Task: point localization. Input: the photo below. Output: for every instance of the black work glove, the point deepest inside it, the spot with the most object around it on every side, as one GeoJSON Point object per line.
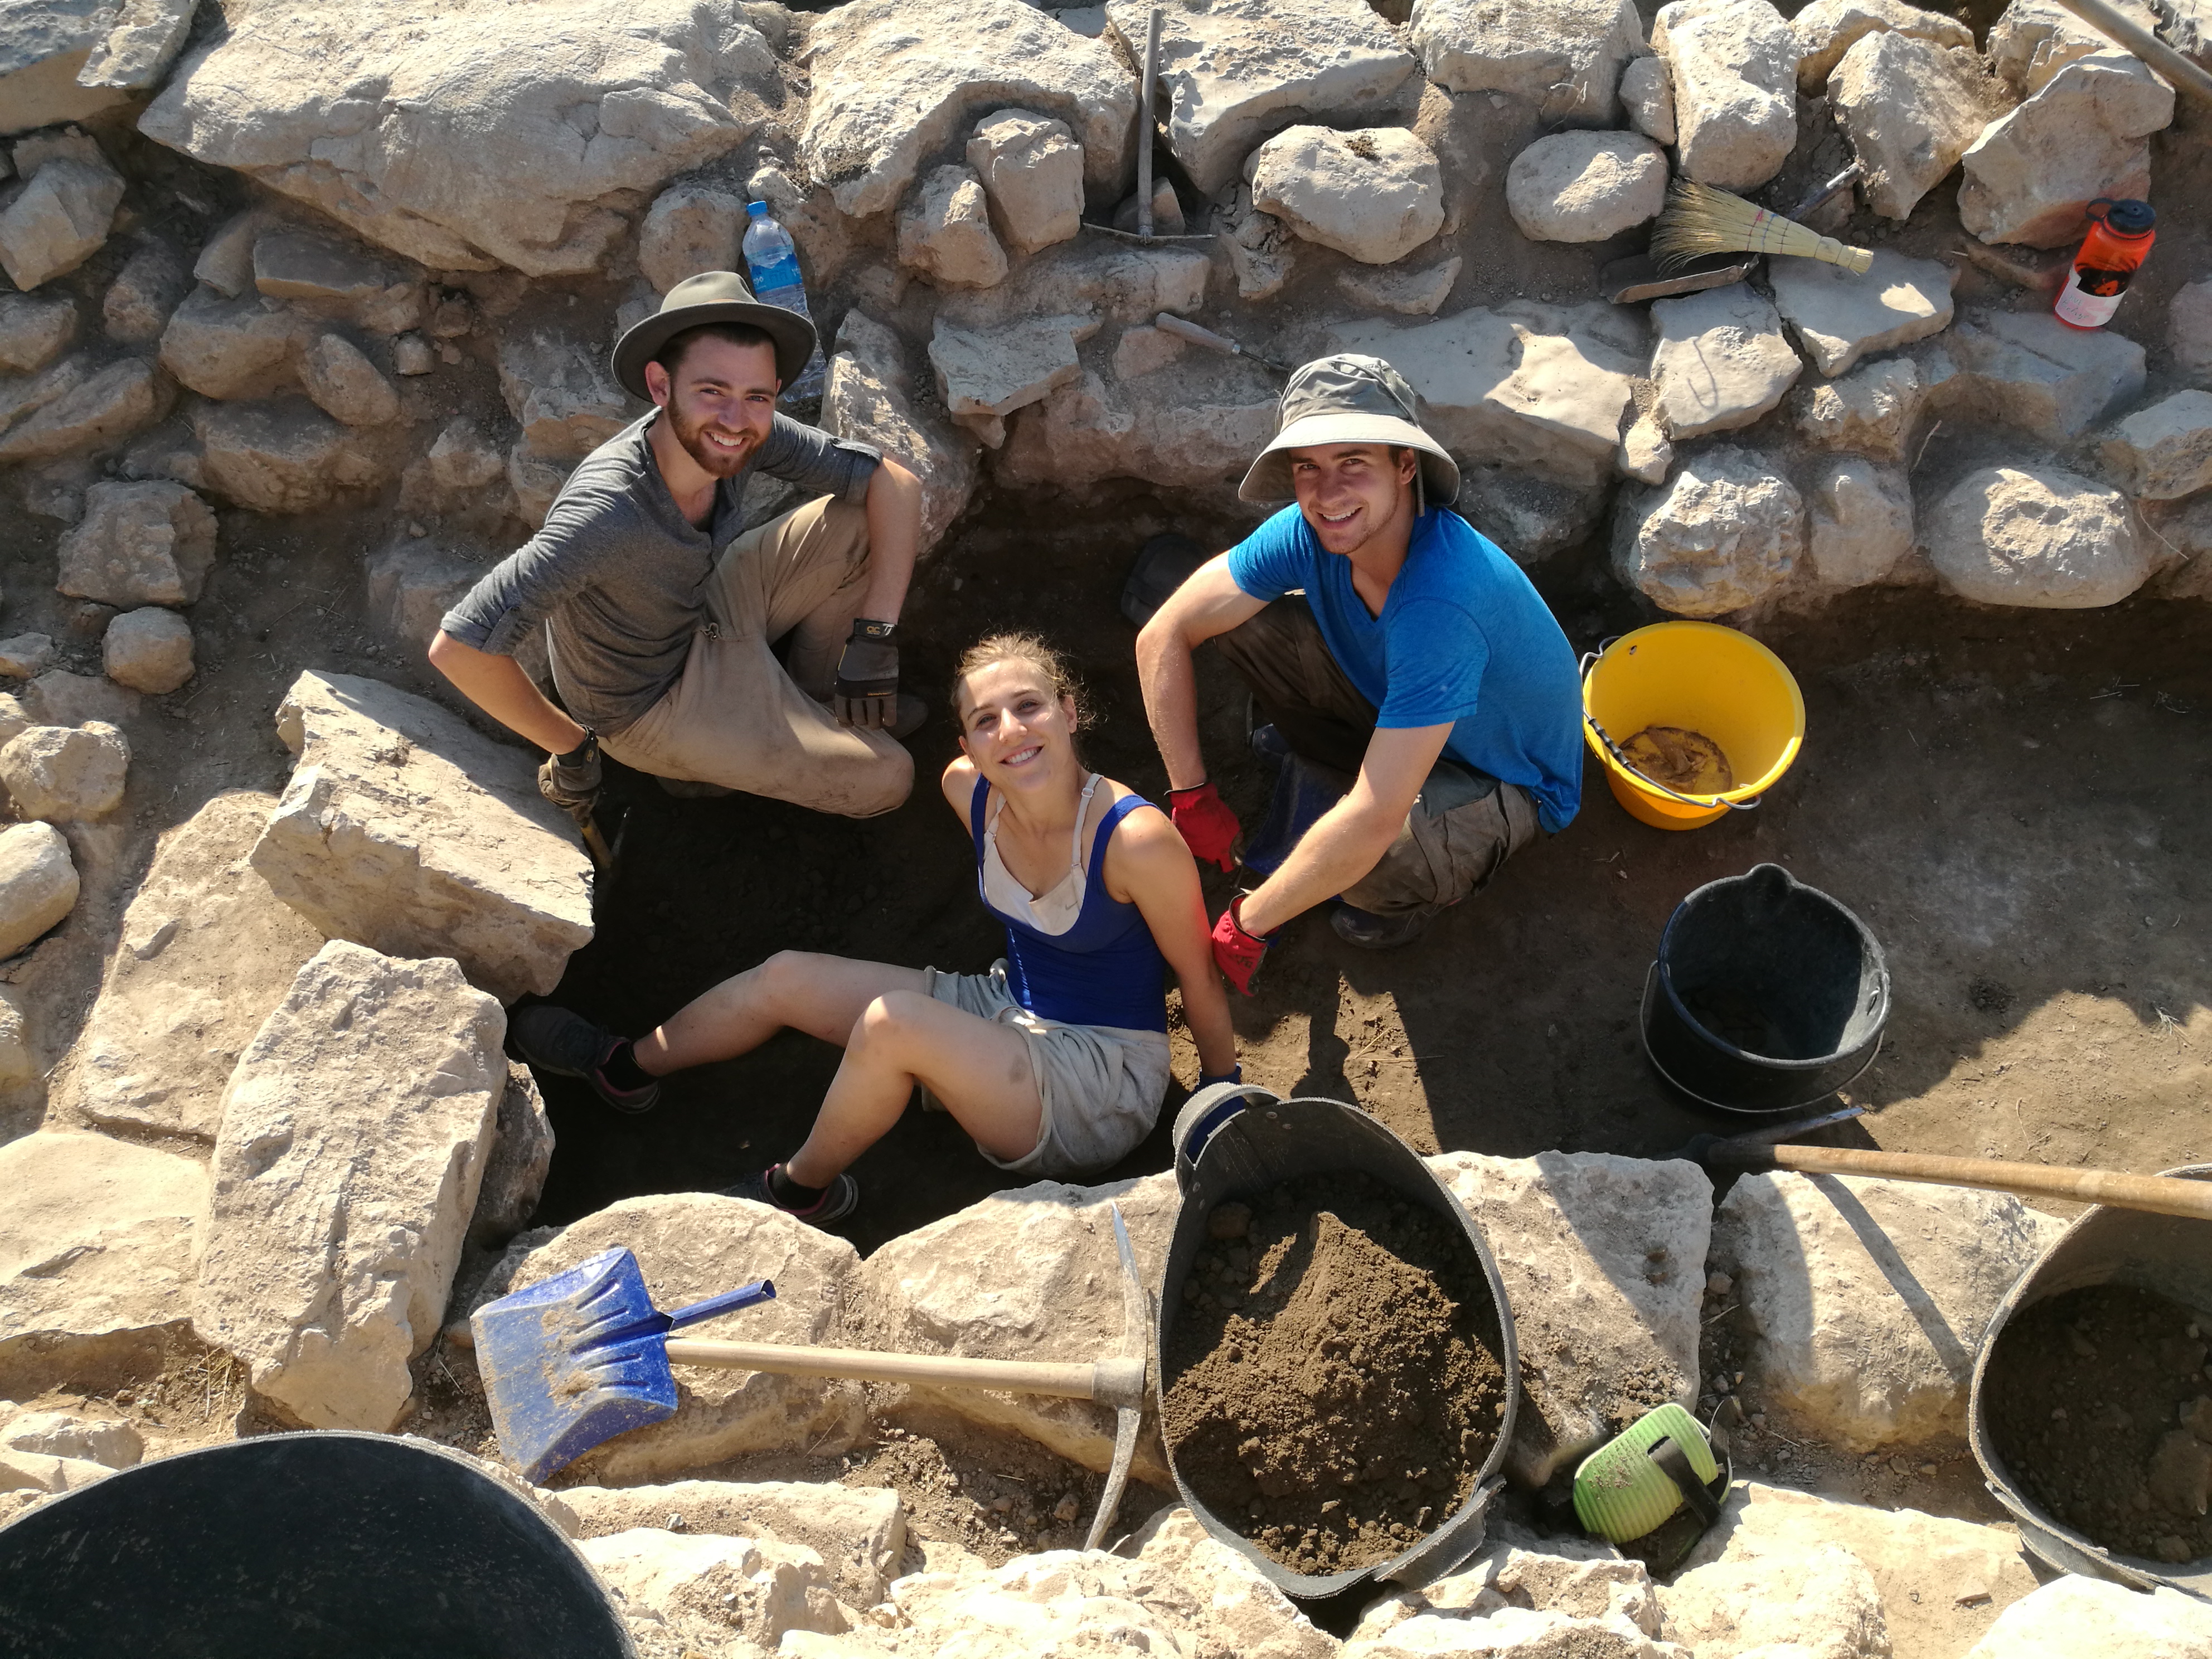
{"type": "Point", "coordinates": [867, 692]}
{"type": "Point", "coordinates": [571, 781]}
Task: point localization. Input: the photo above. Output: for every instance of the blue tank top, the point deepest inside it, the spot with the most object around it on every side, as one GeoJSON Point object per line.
{"type": "Point", "coordinates": [1104, 970]}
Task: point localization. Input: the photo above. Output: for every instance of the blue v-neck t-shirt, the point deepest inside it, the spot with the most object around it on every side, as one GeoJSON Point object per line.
{"type": "Point", "coordinates": [1464, 637]}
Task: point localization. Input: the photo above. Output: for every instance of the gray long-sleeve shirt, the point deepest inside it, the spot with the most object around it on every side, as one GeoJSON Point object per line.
{"type": "Point", "coordinates": [617, 573]}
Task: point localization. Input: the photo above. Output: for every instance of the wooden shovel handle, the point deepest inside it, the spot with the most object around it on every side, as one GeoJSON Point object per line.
{"type": "Point", "coordinates": [2160, 1195]}
{"type": "Point", "coordinates": [1105, 1381]}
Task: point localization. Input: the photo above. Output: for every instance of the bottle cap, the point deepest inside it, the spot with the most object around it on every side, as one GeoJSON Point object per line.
{"type": "Point", "coordinates": [757, 209]}
{"type": "Point", "coordinates": [2130, 217]}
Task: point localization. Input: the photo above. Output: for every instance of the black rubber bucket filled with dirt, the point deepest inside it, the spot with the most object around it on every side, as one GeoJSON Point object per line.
{"type": "Point", "coordinates": [1334, 1353]}
{"type": "Point", "coordinates": [1767, 995]}
{"type": "Point", "coordinates": [2092, 1409]}
{"type": "Point", "coordinates": [329, 1546]}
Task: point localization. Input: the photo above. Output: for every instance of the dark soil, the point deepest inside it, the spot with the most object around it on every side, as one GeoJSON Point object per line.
{"type": "Point", "coordinates": [1328, 1389]}
{"type": "Point", "coordinates": [2096, 1401]}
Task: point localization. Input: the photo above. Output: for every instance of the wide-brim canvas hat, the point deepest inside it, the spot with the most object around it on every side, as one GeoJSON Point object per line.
{"type": "Point", "coordinates": [713, 297]}
{"type": "Point", "coordinates": [1348, 399]}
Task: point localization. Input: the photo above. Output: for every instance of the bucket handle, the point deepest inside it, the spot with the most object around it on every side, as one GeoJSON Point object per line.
{"type": "Point", "coordinates": [1643, 1032]}
{"type": "Point", "coordinates": [1590, 661]}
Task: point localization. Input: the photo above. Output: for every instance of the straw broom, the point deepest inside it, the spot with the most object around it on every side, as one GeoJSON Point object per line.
{"type": "Point", "coordinates": [1700, 220]}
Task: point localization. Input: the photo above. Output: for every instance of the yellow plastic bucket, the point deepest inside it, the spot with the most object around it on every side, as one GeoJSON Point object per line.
{"type": "Point", "coordinates": [1704, 679]}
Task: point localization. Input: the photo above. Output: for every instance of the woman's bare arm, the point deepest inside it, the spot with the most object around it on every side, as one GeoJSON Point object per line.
{"type": "Point", "coordinates": [1148, 865]}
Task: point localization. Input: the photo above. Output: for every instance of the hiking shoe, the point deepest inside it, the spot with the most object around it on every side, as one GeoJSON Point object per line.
{"type": "Point", "coordinates": [1270, 745]}
{"type": "Point", "coordinates": [567, 1044]}
{"type": "Point", "coordinates": [1372, 932]}
{"type": "Point", "coordinates": [912, 712]}
{"type": "Point", "coordinates": [839, 1198]}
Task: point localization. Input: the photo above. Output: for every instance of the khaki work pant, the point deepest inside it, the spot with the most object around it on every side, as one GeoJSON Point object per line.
{"type": "Point", "coordinates": [1463, 826]}
{"type": "Point", "coordinates": [737, 717]}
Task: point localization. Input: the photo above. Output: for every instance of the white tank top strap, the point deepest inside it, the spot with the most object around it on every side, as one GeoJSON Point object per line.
{"type": "Point", "coordinates": [1057, 907]}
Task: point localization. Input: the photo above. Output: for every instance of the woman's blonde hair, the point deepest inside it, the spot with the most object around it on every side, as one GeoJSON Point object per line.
{"type": "Point", "coordinates": [1019, 647]}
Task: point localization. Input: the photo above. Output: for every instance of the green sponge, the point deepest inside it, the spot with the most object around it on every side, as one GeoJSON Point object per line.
{"type": "Point", "coordinates": [1621, 1493]}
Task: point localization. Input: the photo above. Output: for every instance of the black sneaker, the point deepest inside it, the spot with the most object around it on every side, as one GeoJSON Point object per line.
{"type": "Point", "coordinates": [1372, 932]}
{"type": "Point", "coordinates": [567, 1044]}
{"type": "Point", "coordinates": [839, 1198]}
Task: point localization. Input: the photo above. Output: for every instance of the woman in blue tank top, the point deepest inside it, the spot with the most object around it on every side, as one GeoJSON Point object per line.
{"type": "Point", "coordinates": [1056, 1061]}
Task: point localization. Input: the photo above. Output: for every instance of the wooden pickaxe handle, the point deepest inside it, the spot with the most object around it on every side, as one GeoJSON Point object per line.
{"type": "Point", "coordinates": [2159, 1195]}
{"type": "Point", "coordinates": [1116, 1383]}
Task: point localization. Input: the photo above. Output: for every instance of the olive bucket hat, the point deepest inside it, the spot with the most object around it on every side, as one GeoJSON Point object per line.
{"type": "Point", "coordinates": [1348, 399]}
{"type": "Point", "coordinates": [713, 297]}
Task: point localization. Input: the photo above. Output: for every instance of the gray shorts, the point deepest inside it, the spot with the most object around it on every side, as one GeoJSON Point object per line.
{"type": "Point", "coordinates": [1102, 1085]}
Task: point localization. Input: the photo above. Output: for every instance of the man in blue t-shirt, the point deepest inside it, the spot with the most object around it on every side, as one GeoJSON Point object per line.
{"type": "Point", "coordinates": [1425, 707]}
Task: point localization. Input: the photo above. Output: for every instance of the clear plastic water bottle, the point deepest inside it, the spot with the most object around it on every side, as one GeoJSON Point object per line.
{"type": "Point", "coordinates": [772, 261]}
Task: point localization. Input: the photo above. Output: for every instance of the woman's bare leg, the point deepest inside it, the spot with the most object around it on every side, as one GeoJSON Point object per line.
{"type": "Point", "coordinates": [821, 995]}
{"type": "Point", "coordinates": [978, 1067]}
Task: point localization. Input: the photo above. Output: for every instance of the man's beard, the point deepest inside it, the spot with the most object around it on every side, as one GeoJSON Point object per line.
{"type": "Point", "coordinates": [714, 462]}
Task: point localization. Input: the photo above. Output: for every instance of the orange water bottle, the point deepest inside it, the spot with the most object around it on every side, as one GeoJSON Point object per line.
{"type": "Point", "coordinates": [2120, 235]}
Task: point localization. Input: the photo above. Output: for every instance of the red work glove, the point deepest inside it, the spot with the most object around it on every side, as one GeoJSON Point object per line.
{"type": "Point", "coordinates": [1236, 952]}
{"type": "Point", "coordinates": [1209, 828]}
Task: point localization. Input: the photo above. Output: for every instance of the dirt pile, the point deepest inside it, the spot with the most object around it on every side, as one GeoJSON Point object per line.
{"type": "Point", "coordinates": [1328, 1388]}
{"type": "Point", "coordinates": [1681, 759]}
{"type": "Point", "coordinates": [2101, 1405]}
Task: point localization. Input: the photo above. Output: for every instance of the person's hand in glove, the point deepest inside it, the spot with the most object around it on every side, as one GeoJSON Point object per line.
{"type": "Point", "coordinates": [571, 781]}
{"type": "Point", "coordinates": [867, 692]}
{"type": "Point", "coordinates": [1236, 952]}
{"type": "Point", "coordinates": [1209, 828]}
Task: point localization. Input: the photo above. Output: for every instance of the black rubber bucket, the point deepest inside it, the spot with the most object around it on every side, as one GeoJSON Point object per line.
{"type": "Point", "coordinates": [1232, 1142]}
{"type": "Point", "coordinates": [333, 1546]}
{"type": "Point", "coordinates": [2167, 1256]}
{"type": "Point", "coordinates": [1767, 995]}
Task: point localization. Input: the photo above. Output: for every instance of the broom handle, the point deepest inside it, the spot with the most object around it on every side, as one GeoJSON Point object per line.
{"type": "Point", "coordinates": [2136, 38]}
{"type": "Point", "coordinates": [1104, 1381]}
{"type": "Point", "coordinates": [2159, 1195]}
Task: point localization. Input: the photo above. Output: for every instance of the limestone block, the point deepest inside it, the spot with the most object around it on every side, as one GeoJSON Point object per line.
{"type": "Point", "coordinates": [1524, 385]}
{"type": "Point", "coordinates": [2029, 371]}
{"type": "Point", "coordinates": [1734, 64]}
{"type": "Point", "coordinates": [1603, 1262]}
{"type": "Point", "coordinates": [1839, 318]}
{"type": "Point", "coordinates": [232, 348]}
{"type": "Point", "coordinates": [1722, 361]}
{"type": "Point", "coordinates": [1032, 170]}
{"type": "Point", "coordinates": [859, 1532]}
{"type": "Point", "coordinates": [94, 414]}
{"type": "Point", "coordinates": [23, 655]}
{"type": "Point", "coordinates": [2032, 174]}
{"type": "Point", "coordinates": [710, 1588]}
{"type": "Point", "coordinates": [894, 81]}
{"type": "Point", "coordinates": [1197, 428]}
{"type": "Point", "coordinates": [411, 354]}
{"type": "Point", "coordinates": [2072, 1616]}
{"type": "Point", "coordinates": [1821, 1605]}
{"type": "Point", "coordinates": [1647, 96]}
{"type": "Point", "coordinates": [1585, 186]}
{"type": "Point", "coordinates": [18, 1060]}
{"type": "Point", "coordinates": [1261, 249]}
{"type": "Point", "coordinates": [1242, 1616]}
{"type": "Point", "coordinates": [1860, 524]}
{"type": "Point", "coordinates": [1647, 453]}
{"type": "Point", "coordinates": [138, 543]}
{"type": "Point", "coordinates": [1910, 109]}
{"type": "Point", "coordinates": [283, 456]}
{"type": "Point", "coordinates": [870, 398]}
{"type": "Point", "coordinates": [148, 650]}
{"type": "Point", "coordinates": [34, 329]}
{"type": "Point", "coordinates": [345, 385]}
{"type": "Point", "coordinates": [325, 276]}
{"type": "Point", "coordinates": [36, 1472]}
{"type": "Point", "coordinates": [2037, 537]}
{"type": "Point", "coordinates": [1032, 1271]}
{"type": "Point", "coordinates": [14, 718]}
{"type": "Point", "coordinates": [1409, 292]}
{"type": "Point", "coordinates": [405, 830]}
{"type": "Point", "coordinates": [689, 228]}
{"type": "Point", "coordinates": [142, 39]}
{"type": "Point", "coordinates": [226, 258]}
{"type": "Point", "coordinates": [1530, 518]}
{"type": "Point", "coordinates": [693, 1245]}
{"type": "Point", "coordinates": [462, 459]}
{"type": "Point", "coordinates": [536, 480]}
{"type": "Point", "coordinates": [26, 394]}
{"type": "Point", "coordinates": [1060, 1603]}
{"type": "Point", "coordinates": [60, 220]}
{"type": "Point", "coordinates": [1826, 31]}
{"type": "Point", "coordinates": [558, 384]}
{"type": "Point", "coordinates": [2032, 39]}
{"type": "Point", "coordinates": [42, 51]}
{"type": "Point", "coordinates": [106, 1441]}
{"type": "Point", "coordinates": [2189, 329]}
{"type": "Point", "coordinates": [1234, 71]}
{"type": "Point", "coordinates": [521, 1154]}
{"type": "Point", "coordinates": [1512, 1632]}
{"type": "Point", "coordinates": [98, 1241]}
{"type": "Point", "coordinates": [37, 883]}
{"type": "Point", "coordinates": [1726, 531]}
{"type": "Point", "coordinates": [1146, 350]}
{"type": "Point", "coordinates": [991, 374]}
{"type": "Point", "coordinates": [1375, 195]}
{"type": "Point", "coordinates": [1114, 282]}
{"type": "Point", "coordinates": [138, 302]}
{"type": "Point", "coordinates": [557, 104]}
{"type": "Point", "coordinates": [944, 232]}
{"type": "Point", "coordinates": [411, 585]}
{"type": "Point", "coordinates": [65, 774]}
{"type": "Point", "coordinates": [61, 698]}
{"type": "Point", "coordinates": [1865, 1299]}
{"type": "Point", "coordinates": [2164, 451]}
{"type": "Point", "coordinates": [353, 1139]}
{"type": "Point", "coordinates": [1565, 57]}
{"type": "Point", "coordinates": [1920, 1564]}
{"type": "Point", "coordinates": [1871, 410]}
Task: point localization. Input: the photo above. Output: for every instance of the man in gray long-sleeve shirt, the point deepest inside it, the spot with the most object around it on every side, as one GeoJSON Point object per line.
{"type": "Point", "coordinates": [659, 615]}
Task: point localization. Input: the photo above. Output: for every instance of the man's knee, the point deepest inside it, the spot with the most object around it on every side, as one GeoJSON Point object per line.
{"type": "Point", "coordinates": [883, 787]}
